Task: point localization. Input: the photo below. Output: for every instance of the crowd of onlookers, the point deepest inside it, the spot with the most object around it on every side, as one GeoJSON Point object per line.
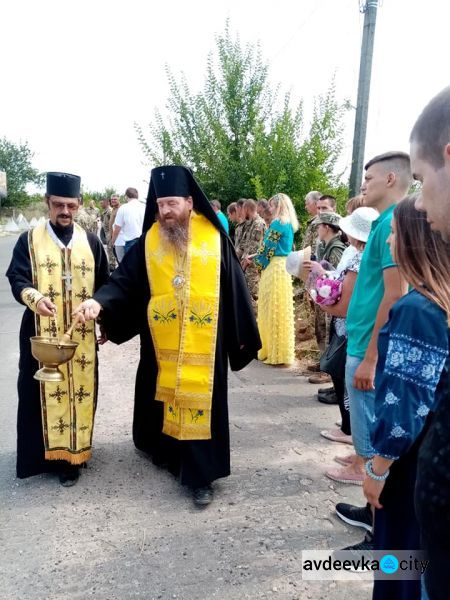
{"type": "Point", "coordinates": [119, 225]}
{"type": "Point", "coordinates": [377, 285]}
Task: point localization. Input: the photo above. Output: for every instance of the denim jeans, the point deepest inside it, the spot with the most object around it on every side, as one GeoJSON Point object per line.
{"type": "Point", "coordinates": [362, 410]}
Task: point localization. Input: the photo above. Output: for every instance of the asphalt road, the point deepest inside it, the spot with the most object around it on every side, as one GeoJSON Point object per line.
{"type": "Point", "coordinates": [127, 530]}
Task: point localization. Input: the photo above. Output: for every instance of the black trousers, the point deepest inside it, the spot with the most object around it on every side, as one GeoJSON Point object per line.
{"type": "Point", "coordinates": [342, 398]}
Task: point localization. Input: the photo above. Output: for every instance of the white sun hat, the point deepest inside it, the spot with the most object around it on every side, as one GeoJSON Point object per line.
{"type": "Point", "coordinates": [359, 223]}
{"type": "Point", "coordinates": [294, 263]}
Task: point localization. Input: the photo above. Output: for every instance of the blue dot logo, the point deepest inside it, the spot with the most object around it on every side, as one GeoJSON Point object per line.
{"type": "Point", "coordinates": [389, 564]}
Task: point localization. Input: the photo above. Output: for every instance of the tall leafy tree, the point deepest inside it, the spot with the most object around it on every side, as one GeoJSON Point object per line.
{"type": "Point", "coordinates": [16, 161]}
{"type": "Point", "coordinates": [239, 138]}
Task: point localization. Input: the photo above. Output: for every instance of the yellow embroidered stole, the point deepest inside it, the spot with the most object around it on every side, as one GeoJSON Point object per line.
{"type": "Point", "coordinates": [67, 277]}
{"type": "Point", "coordinates": [183, 324]}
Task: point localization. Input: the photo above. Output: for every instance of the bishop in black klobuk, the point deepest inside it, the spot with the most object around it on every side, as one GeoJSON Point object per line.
{"type": "Point", "coordinates": [192, 452]}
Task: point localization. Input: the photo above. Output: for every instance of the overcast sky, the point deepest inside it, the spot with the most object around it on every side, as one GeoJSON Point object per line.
{"type": "Point", "coordinates": [77, 74]}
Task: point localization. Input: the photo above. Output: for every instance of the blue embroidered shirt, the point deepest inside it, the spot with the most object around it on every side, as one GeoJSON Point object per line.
{"type": "Point", "coordinates": [278, 241]}
{"type": "Point", "coordinates": [412, 350]}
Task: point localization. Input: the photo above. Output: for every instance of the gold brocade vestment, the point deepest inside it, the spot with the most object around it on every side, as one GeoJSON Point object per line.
{"type": "Point", "coordinates": [183, 317]}
{"type": "Point", "coordinates": [66, 275]}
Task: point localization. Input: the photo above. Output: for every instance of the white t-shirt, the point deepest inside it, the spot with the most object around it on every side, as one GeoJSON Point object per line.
{"type": "Point", "coordinates": [130, 218]}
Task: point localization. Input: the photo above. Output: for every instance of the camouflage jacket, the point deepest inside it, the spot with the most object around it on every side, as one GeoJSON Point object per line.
{"type": "Point", "coordinates": [238, 238]}
{"type": "Point", "coordinates": [332, 250]}
{"type": "Point", "coordinates": [310, 235]}
{"type": "Point", "coordinates": [112, 218]}
{"type": "Point", "coordinates": [85, 221]}
{"type": "Point", "coordinates": [105, 219]}
{"type": "Point", "coordinates": [252, 235]}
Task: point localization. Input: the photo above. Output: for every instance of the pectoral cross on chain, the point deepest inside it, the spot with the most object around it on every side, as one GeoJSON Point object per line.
{"type": "Point", "coordinates": [67, 277]}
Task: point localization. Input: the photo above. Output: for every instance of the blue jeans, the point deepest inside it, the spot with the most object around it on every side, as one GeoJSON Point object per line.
{"type": "Point", "coordinates": [362, 410]}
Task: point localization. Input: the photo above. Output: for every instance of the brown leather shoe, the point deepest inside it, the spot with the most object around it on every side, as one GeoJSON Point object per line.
{"type": "Point", "coordinates": [319, 377]}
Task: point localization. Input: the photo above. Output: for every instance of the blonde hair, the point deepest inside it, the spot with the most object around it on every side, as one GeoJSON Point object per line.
{"type": "Point", "coordinates": [422, 255]}
{"type": "Point", "coordinates": [285, 211]}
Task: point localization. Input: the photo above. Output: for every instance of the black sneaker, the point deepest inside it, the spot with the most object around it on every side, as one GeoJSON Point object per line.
{"type": "Point", "coordinates": [355, 515]}
{"type": "Point", "coordinates": [203, 496]}
{"type": "Point", "coordinates": [329, 390]}
{"type": "Point", "coordinates": [365, 546]}
{"type": "Point", "coordinates": [327, 398]}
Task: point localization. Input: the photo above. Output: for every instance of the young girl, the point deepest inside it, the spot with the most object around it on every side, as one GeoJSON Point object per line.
{"type": "Point", "coordinates": [412, 355]}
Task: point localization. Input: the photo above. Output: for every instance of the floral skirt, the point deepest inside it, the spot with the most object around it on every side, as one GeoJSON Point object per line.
{"type": "Point", "coordinates": [276, 314]}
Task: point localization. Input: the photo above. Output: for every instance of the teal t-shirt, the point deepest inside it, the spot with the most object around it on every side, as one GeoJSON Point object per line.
{"type": "Point", "coordinates": [369, 287]}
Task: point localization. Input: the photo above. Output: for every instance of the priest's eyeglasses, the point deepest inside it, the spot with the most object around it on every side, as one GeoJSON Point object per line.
{"type": "Point", "coordinates": [71, 206]}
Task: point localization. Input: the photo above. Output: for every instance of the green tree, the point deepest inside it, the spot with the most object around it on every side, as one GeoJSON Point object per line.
{"type": "Point", "coordinates": [16, 161]}
{"type": "Point", "coordinates": [238, 140]}
{"type": "Point", "coordinates": [97, 196]}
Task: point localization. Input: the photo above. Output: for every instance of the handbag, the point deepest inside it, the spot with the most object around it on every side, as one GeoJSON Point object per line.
{"type": "Point", "coordinates": [333, 359]}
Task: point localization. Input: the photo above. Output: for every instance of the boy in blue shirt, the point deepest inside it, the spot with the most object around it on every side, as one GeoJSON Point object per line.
{"type": "Point", "coordinates": [378, 286]}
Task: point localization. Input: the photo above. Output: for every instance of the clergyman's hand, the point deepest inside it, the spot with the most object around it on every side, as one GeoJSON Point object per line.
{"type": "Point", "coordinates": [45, 307]}
{"type": "Point", "coordinates": [87, 310]}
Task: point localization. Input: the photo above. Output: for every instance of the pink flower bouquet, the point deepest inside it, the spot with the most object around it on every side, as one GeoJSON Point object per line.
{"type": "Point", "coordinates": [324, 289]}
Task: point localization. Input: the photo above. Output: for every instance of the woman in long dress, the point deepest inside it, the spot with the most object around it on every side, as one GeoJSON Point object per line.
{"type": "Point", "coordinates": [275, 300]}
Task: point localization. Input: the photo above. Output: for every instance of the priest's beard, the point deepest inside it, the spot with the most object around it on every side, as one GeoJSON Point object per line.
{"type": "Point", "coordinates": [176, 232]}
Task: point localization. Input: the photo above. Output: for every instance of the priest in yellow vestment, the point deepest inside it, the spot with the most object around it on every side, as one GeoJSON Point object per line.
{"type": "Point", "coordinates": [182, 289]}
{"type": "Point", "coordinates": [55, 266]}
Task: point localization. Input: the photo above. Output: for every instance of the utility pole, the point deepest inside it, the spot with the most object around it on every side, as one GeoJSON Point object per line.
{"type": "Point", "coordinates": [369, 8]}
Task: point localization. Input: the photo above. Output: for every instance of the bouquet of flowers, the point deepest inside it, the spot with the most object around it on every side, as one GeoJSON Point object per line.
{"type": "Point", "coordinates": [323, 287]}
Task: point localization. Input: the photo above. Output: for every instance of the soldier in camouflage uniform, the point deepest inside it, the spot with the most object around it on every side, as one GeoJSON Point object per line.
{"type": "Point", "coordinates": [85, 220]}
{"type": "Point", "coordinates": [239, 227]}
{"type": "Point", "coordinates": [253, 228]}
{"type": "Point", "coordinates": [105, 233]}
{"type": "Point", "coordinates": [310, 235]}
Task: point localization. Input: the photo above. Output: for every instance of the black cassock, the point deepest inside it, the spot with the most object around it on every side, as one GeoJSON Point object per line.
{"type": "Point", "coordinates": [30, 439]}
{"type": "Point", "coordinates": [124, 300]}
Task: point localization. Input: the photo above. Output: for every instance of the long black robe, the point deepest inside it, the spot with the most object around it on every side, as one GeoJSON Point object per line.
{"type": "Point", "coordinates": [124, 300]}
{"type": "Point", "coordinates": [30, 438]}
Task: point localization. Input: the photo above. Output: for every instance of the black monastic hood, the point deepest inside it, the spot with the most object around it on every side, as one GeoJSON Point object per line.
{"type": "Point", "coordinates": [175, 180]}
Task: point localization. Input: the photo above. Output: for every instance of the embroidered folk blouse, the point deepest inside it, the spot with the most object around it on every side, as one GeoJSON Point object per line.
{"type": "Point", "coordinates": [412, 349]}
{"type": "Point", "coordinates": [278, 241]}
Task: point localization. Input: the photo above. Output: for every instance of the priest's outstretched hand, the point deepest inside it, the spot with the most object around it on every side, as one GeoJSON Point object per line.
{"type": "Point", "coordinates": [45, 307]}
{"type": "Point", "coordinates": [87, 310]}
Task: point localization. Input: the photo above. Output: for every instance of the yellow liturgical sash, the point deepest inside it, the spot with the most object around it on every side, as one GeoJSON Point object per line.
{"type": "Point", "coordinates": [66, 276]}
{"type": "Point", "coordinates": [183, 315]}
